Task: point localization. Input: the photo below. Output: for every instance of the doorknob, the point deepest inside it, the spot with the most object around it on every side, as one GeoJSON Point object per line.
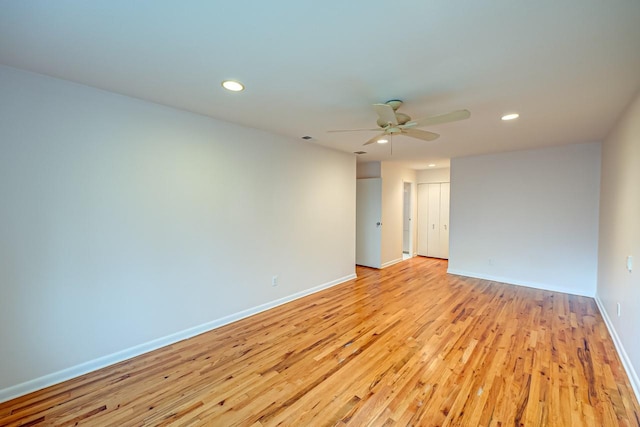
{"type": "Point", "coordinates": [445, 226]}
{"type": "Point", "coordinates": [378, 224]}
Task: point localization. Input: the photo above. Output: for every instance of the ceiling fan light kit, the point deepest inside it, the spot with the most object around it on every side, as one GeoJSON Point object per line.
{"type": "Point", "coordinates": [391, 122]}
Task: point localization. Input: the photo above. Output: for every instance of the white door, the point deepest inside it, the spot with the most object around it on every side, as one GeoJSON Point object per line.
{"type": "Point", "coordinates": [433, 220]}
{"type": "Point", "coordinates": [369, 222]}
{"type": "Point", "coordinates": [423, 220]}
{"type": "Point", "coordinates": [444, 220]}
{"type": "Point", "coordinates": [433, 215]}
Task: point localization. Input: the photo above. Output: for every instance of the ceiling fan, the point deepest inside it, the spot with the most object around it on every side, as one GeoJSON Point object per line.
{"type": "Point", "coordinates": [391, 122]}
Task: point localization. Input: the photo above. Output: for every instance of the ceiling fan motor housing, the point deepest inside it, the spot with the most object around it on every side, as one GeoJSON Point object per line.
{"type": "Point", "coordinates": [401, 118]}
{"type": "Point", "coordinates": [394, 103]}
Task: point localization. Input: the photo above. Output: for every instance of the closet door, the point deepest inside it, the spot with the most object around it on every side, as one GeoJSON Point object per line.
{"type": "Point", "coordinates": [444, 220]}
{"type": "Point", "coordinates": [433, 215]}
{"type": "Point", "coordinates": [423, 219]}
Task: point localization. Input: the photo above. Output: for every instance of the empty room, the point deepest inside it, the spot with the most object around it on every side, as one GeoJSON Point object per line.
{"type": "Point", "coordinates": [302, 213]}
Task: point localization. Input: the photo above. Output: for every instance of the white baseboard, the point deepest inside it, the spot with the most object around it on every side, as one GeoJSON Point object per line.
{"type": "Point", "coordinates": [102, 362]}
{"type": "Point", "coordinates": [390, 263]}
{"type": "Point", "coordinates": [624, 357]}
{"type": "Point", "coordinates": [543, 286]}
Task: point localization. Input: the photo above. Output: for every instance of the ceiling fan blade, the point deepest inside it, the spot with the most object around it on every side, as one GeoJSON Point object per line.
{"type": "Point", "coordinates": [386, 114]}
{"type": "Point", "coordinates": [353, 130]}
{"type": "Point", "coordinates": [442, 118]}
{"type": "Point", "coordinates": [420, 134]}
{"type": "Point", "coordinates": [374, 139]}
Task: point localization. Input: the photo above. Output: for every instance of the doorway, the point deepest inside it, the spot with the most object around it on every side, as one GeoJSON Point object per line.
{"type": "Point", "coordinates": [407, 246]}
{"type": "Point", "coordinates": [369, 222]}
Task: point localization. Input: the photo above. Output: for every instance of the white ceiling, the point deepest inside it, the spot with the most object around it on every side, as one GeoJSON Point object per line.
{"type": "Point", "coordinates": [568, 67]}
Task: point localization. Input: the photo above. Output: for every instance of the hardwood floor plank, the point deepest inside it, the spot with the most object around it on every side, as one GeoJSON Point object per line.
{"type": "Point", "coordinates": [407, 345]}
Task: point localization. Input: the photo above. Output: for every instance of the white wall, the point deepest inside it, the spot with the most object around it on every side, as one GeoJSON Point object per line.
{"type": "Point", "coordinates": [433, 176]}
{"type": "Point", "coordinates": [393, 178]}
{"type": "Point", "coordinates": [368, 170]}
{"type": "Point", "coordinates": [123, 222]}
{"type": "Point", "coordinates": [528, 217]}
{"type": "Point", "coordinates": [620, 237]}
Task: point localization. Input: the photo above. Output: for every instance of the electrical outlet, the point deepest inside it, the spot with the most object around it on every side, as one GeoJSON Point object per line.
{"type": "Point", "coordinates": [619, 310]}
{"type": "Point", "coordinates": [274, 281]}
{"type": "Point", "coordinates": [629, 263]}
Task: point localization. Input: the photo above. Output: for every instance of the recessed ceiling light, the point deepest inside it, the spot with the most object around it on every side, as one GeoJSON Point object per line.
{"type": "Point", "coordinates": [307, 137]}
{"type": "Point", "coordinates": [432, 165]}
{"type": "Point", "coordinates": [232, 85]}
{"type": "Point", "coordinates": [382, 141]}
{"type": "Point", "coordinates": [359, 152]}
{"type": "Point", "coordinates": [510, 116]}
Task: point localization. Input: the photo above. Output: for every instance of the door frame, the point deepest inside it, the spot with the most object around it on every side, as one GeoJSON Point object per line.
{"type": "Point", "coordinates": [411, 216]}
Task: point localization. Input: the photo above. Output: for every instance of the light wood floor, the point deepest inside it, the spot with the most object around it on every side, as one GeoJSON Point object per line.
{"type": "Point", "coordinates": [408, 345]}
